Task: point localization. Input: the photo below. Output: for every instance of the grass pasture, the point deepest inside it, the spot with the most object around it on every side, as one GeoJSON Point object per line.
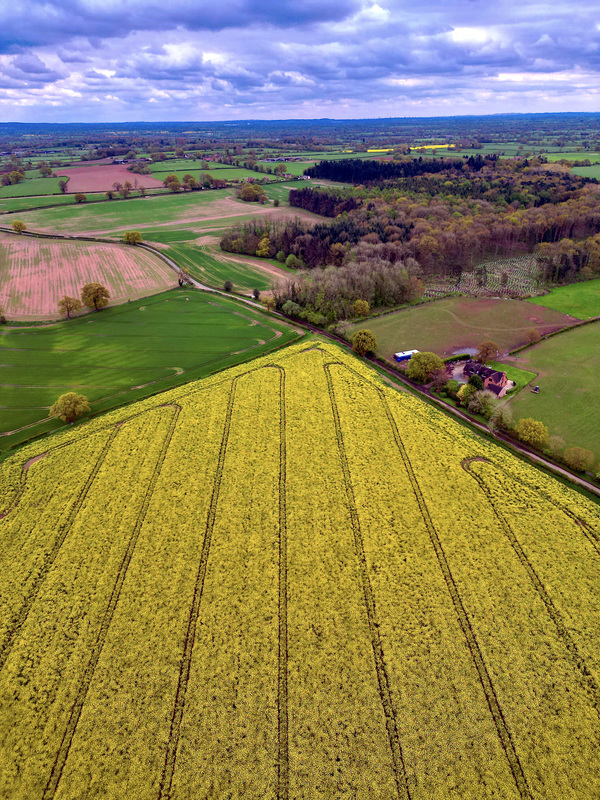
{"type": "Point", "coordinates": [588, 172]}
{"type": "Point", "coordinates": [36, 273]}
{"type": "Point", "coordinates": [567, 368]}
{"type": "Point", "coordinates": [224, 174]}
{"type": "Point", "coordinates": [126, 352]}
{"type": "Point", "coordinates": [31, 187]}
{"type": "Point", "coordinates": [459, 325]}
{"type": "Point", "coordinates": [19, 203]}
{"type": "Point", "coordinates": [188, 612]}
{"type": "Point", "coordinates": [580, 300]}
{"type": "Point", "coordinates": [209, 267]}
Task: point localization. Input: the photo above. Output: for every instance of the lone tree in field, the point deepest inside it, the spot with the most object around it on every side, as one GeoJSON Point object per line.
{"type": "Point", "coordinates": [80, 197]}
{"type": "Point", "coordinates": [18, 226]}
{"type": "Point", "coordinates": [488, 351]}
{"type": "Point", "coordinates": [532, 432]}
{"type": "Point", "coordinates": [94, 295]}
{"type": "Point", "coordinates": [422, 366]}
{"type": "Point", "coordinates": [69, 406]}
{"type": "Point", "coordinates": [364, 342]}
{"type": "Point", "coordinates": [69, 305]}
{"type": "Point", "coordinates": [132, 237]}
{"type": "Point", "coordinates": [228, 286]}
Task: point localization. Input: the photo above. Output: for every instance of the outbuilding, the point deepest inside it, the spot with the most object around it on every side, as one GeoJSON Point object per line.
{"type": "Point", "coordinates": [405, 355]}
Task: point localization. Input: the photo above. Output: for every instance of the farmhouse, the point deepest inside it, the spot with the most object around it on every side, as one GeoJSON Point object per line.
{"type": "Point", "coordinates": [493, 379]}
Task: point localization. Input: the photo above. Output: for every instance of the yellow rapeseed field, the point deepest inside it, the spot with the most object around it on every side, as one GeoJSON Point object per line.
{"type": "Point", "coordinates": [290, 581]}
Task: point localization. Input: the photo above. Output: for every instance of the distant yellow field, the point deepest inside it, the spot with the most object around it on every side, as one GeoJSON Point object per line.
{"type": "Point", "coordinates": [430, 146]}
{"type": "Point", "coordinates": [291, 581]}
{"type": "Point", "coordinates": [381, 150]}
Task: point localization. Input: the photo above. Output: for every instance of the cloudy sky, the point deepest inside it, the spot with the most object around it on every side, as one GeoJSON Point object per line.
{"type": "Point", "coordinates": [119, 60]}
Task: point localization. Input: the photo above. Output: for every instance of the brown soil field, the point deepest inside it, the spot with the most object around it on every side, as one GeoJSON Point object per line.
{"type": "Point", "coordinates": [101, 177]}
{"type": "Point", "coordinates": [35, 274]}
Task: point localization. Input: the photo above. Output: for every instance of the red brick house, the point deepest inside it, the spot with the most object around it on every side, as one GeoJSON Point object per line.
{"type": "Point", "coordinates": [493, 379]}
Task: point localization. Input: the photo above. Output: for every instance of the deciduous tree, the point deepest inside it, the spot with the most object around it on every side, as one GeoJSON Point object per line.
{"type": "Point", "coordinates": [488, 351]}
{"type": "Point", "coordinates": [95, 296]}
{"type": "Point", "coordinates": [69, 406]}
{"type": "Point", "coordinates": [80, 197]}
{"type": "Point", "coordinates": [18, 226]}
{"type": "Point", "coordinates": [69, 305]}
{"type": "Point", "coordinates": [360, 308]}
{"type": "Point", "coordinates": [364, 342]}
{"type": "Point", "coordinates": [579, 459]}
{"type": "Point", "coordinates": [132, 237]}
{"type": "Point", "coordinates": [422, 365]}
{"type": "Point", "coordinates": [532, 432]}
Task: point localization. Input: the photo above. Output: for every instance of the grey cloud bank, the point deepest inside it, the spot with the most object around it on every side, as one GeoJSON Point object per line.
{"type": "Point", "coordinates": [92, 60]}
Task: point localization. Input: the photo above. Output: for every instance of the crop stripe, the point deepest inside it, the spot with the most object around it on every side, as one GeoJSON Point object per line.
{"type": "Point", "coordinates": [282, 669]}
{"type": "Point", "coordinates": [553, 612]}
{"type": "Point", "coordinates": [21, 615]}
{"type": "Point", "coordinates": [463, 618]}
{"type": "Point", "coordinates": [373, 624]}
{"type": "Point", "coordinates": [65, 746]}
{"type": "Point", "coordinates": [164, 791]}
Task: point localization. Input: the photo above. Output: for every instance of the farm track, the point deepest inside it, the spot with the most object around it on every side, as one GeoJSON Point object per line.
{"type": "Point", "coordinates": [399, 767]}
{"type": "Point", "coordinates": [20, 617]}
{"type": "Point", "coordinates": [553, 612]}
{"type": "Point", "coordinates": [463, 618]}
{"type": "Point", "coordinates": [190, 635]}
{"type": "Point", "coordinates": [63, 752]}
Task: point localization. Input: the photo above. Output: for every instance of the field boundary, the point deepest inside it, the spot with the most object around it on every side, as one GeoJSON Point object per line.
{"type": "Point", "coordinates": [398, 765]}
{"type": "Point", "coordinates": [65, 746]}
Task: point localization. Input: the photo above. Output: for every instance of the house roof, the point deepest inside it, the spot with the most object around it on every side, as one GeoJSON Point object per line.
{"type": "Point", "coordinates": [475, 368]}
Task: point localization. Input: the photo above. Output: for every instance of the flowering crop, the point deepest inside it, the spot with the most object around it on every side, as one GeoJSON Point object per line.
{"type": "Point", "coordinates": [289, 580]}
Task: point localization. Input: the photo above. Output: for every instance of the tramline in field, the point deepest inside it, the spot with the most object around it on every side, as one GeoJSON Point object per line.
{"type": "Point", "coordinates": [287, 581]}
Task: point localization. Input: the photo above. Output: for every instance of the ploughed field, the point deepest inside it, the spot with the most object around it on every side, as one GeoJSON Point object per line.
{"type": "Point", "coordinates": [289, 581]}
{"type": "Point", "coordinates": [36, 273]}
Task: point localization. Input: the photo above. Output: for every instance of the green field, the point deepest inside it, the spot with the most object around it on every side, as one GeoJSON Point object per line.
{"type": "Point", "coordinates": [32, 187]}
{"type": "Point", "coordinates": [289, 581]}
{"type": "Point", "coordinates": [184, 165]}
{"type": "Point", "coordinates": [24, 203]}
{"type": "Point", "coordinates": [581, 300]}
{"type": "Point", "coordinates": [567, 368]}
{"type": "Point", "coordinates": [459, 324]}
{"type": "Point", "coordinates": [211, 270]}
{"type": "Point", "coordinates": [127, 214]}
{"type": "Point", "coordinates": [291, 167]}
{"type": "Point", "coordinates": [575, 156]}
{"type": "Point", "coordinates": [223, 173]}
{"type": "Point", "coordinates": [587, 172]}
{"type": "Point", "coordinates": [126, 352]}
